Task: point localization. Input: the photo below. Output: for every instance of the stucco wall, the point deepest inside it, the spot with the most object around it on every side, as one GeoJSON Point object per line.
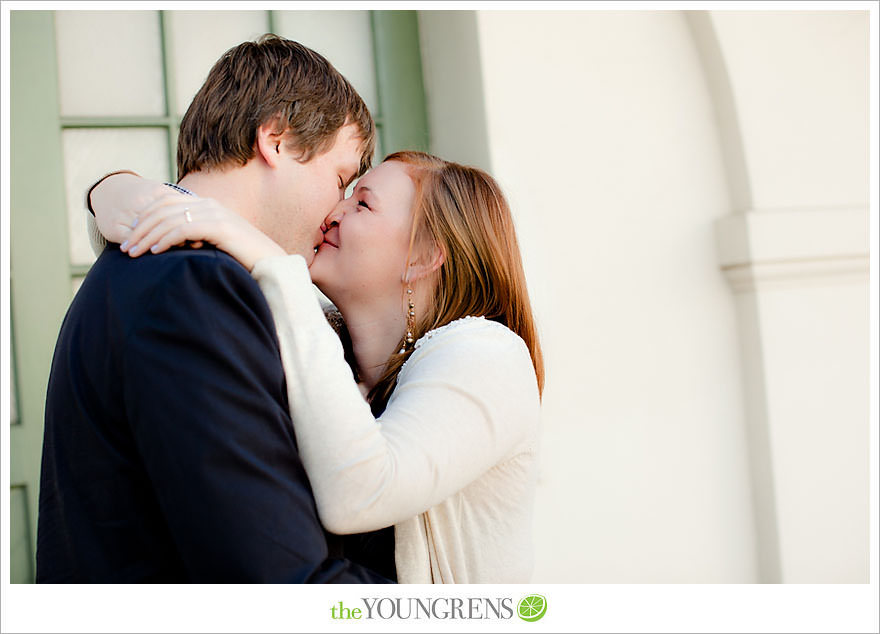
{"type": "Point", "coordinates": [684, 416]}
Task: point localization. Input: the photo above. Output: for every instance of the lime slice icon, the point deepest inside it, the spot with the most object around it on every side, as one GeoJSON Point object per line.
{"type": "Point", "coordinates": [532, 607]}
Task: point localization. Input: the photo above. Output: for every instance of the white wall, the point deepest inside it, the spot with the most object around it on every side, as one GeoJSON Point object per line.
{"type": "Point", "coordinates": [799, 80]}
{"type": "Point", "coordinates": [624, 141]}
{"type": "Point", "coordinates": [797, 255]}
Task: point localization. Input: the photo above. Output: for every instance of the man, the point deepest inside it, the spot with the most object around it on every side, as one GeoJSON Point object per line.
{"type": "Point", "coordinates": [169, 453]}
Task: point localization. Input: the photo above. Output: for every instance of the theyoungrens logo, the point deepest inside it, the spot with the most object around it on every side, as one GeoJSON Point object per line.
{"type": "Point", "coordinates": [530, 608]}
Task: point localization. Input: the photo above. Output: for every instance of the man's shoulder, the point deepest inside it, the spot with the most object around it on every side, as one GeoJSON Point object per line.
{"type": "Point", "coordinates": [208, 256]}
{"type": "Point", "coordinates": [177, 279]}
{"type": "Point", "coordinates": [179, 265]}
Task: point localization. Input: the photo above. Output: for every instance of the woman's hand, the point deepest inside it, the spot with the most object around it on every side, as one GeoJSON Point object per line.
{"type": "Point", "coordinates": [119, 199]}
{"type": "Point", "coordinates": [165, 224]}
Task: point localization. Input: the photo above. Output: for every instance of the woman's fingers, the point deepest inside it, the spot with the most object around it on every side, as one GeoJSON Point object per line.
{"type": "Point", "coordinates": [148, 221]}
{"type": "Point", "coordinates": [159, 225]}
{"type": "Point", "coordinates": [143, 234]}
{"type": "Point", "coordinates": [174, 237]}
{"type": "Point", "coordinates": [174, 233]}
{"type": "Point", "coordinates": [171, 226]}
{"type": "Point", "coordinates": [156, 206]}
{"type": "Point", "coordinates": [171, 221]}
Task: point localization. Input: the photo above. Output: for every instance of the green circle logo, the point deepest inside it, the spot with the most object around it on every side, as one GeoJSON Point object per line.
{"type": "Point", "coordinates": [532, 608]}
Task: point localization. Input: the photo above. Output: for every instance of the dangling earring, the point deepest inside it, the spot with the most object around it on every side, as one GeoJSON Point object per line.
{"type": "Point", "coordinates": [410, 319]}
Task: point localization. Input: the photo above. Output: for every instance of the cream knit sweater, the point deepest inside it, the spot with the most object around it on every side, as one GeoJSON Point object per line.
{"type": "Point", "coordinates": [452, 461]}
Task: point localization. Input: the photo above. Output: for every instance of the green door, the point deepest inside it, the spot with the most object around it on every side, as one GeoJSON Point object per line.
{"type": "Point", "coordinates": [39, 271]}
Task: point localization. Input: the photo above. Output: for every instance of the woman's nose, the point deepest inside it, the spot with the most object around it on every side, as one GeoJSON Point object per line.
{"type": "Point", "coordinates": [334, 217]}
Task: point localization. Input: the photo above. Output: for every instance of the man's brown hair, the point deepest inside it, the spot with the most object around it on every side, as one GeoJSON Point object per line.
{"type": "Point", "coordinates": [269, 79]}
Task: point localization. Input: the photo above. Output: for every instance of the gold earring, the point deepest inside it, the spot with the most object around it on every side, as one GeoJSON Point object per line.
{"type": "Point", "coordinates": [410, 318]}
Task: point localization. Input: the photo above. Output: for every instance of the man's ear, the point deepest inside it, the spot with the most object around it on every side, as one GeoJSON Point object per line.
{"type": "Point", "coordinates": [270, 142]}
{"type": "Point", "coordinates": [429, 260]}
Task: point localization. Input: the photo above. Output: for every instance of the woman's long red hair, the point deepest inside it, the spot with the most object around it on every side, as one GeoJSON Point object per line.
{"type": "Point", "coordinates": [462, 211]}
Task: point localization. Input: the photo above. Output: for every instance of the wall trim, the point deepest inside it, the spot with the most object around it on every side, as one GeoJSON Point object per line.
{"type": "Point", "coordinates": [773, 247]}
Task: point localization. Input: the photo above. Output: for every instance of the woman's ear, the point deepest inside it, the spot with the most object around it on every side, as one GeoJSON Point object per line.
{"type": "Point", "coordinates": [428, 261]}
{"type": "Point", "coordinates": [270, 142]}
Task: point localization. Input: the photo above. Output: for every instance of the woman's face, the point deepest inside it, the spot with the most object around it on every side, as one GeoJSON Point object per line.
{"type": "Point", "coordinates": [366, 239]}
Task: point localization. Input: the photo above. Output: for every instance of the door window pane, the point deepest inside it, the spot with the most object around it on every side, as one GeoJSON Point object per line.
{"type": "Point", "coordinates": [199, 39]}
{"type": "Point", "coordinates": [109, 63]}
{"type": "Point", "coordinates": [343, 37]}
{"type": "Point", "coordinates": [89, 153]}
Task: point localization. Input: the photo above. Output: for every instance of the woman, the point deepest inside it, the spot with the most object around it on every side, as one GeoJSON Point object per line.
{"type": "Point", "coordinates": [423, 264]}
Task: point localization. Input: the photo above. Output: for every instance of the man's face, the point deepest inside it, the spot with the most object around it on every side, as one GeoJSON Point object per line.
{"type": "Point", "coordinates": [303, 194]}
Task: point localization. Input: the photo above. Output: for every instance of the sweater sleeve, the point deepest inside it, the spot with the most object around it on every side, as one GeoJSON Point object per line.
{"type": "Point", "coordinates": [205, 403]}
{"type": "Point", "coordinates": [98, 241]}
{"type": "Point", "coordinates": [465, 401]}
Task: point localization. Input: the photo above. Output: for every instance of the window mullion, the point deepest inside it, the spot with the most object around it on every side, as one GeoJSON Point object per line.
{"type": "Point", "coordinates": [402, 119]}
{"type": "Point", "coordinates": [172, 124]}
